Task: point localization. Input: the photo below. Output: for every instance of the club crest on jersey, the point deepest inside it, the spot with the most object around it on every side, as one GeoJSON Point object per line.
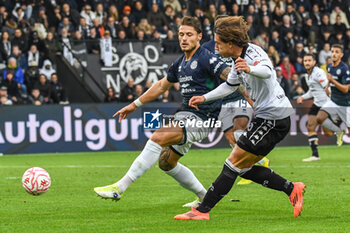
{"type": "Point", "coordinates": [194, 65]}
{"type": "Point", "coordinates": [338, 71]}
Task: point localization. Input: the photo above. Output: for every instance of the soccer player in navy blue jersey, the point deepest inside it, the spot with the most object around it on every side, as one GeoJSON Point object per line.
{"type": "Point", "coordinates": [198, 71]}
{"type": "Point", "coordinates": [236, 111]}
{"type": "Point", "coordinates": [338, 107]}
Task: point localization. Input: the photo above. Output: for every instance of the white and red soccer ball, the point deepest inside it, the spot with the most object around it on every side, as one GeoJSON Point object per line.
{"type": "Point", "coordinates": [36, 181]}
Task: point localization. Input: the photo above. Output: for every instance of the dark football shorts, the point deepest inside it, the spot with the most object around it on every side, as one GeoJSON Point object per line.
{"type": "Point", "coordinates": [261, 135]}
{"type": "Point", "coordinates": [314, 110]}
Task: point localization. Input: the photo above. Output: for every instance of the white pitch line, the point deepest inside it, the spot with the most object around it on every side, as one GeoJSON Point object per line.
{"type": "Point", "coordinates": [190, 166]}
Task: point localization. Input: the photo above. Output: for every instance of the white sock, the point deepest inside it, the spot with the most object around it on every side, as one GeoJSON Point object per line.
{"type": "Point", "coordinates": [148, 157]}
{"type": "Point", "coordinates": [185, 177]}
{"type": "Point", "coordinates": [261, 161]}
{"type": "Point", "coordinates": [331, 126]}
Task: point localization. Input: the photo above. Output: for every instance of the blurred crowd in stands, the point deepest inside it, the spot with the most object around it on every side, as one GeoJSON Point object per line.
{"type": "Point", "coordinates": [32, 32]}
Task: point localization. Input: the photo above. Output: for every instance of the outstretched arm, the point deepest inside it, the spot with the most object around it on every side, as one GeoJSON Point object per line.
{"type": "Point", "coordinates": [151, 94]}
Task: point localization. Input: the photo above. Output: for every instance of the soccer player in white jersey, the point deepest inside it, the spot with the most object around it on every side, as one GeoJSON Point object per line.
{"type": "Point", "coordinates": [338, 107]}
{"type": "Point", "coordinates": [253, 69]}
{"type": "Point", "coordinates": [317, 82]}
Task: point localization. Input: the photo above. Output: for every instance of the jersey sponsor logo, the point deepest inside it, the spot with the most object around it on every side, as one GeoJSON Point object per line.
{"type": "Point", "coordinates": [194, 65]}
{"type": "Point", "coordinates": [185, 85]}
{"type": "Point", "coordinates": [185, 79]}
{"type": "Point", "coordinates": [255, 63]}
{"type": "Point", "coordinates": [212, 60]}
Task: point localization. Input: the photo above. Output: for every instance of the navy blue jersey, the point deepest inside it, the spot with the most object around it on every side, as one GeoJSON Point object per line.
{"type": "Point", "coordinates": [210, 45]}
{"type": "Point", "coordinates": [341, 74]}
{"type": "Point", "coordinates": [198, 76]}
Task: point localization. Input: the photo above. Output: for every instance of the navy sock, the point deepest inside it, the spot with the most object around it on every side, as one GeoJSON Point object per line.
{"type": "Point", "coordinates": [313, 142]}
{"type": "Point", "coordinates": [218, 189]}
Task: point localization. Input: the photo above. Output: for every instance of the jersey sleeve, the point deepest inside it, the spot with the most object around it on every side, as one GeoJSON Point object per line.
{"type": "Point", "coordinates": [213, 63]}
{"type": "Point", "coordinates": [258, 58]}
{"type": "Point", "coordinates": [347, 76]}
{"type": "Point", "coordinates": [172, 71]}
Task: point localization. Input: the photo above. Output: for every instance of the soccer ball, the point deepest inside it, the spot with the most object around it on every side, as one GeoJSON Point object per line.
{"type": "Point", "coordinates": [36, 181]}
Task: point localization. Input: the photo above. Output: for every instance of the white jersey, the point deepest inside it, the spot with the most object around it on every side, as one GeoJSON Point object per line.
{"type": "Point", "coordinates": [270, 101]}
{"type": "Point", "coordinates": [317, 81]}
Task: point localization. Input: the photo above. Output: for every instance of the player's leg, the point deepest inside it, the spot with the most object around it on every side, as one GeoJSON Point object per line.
{"type": "Point", "coordinates": [168, 162]}
{"type": "Point", "coordinates": [325, 117]}
{"type": "Point", "coordinates": [312, 137]}
{"type": "Point", "coordinates": [262, 136]}
{"type": "Point", "coordinates": [146, 159]}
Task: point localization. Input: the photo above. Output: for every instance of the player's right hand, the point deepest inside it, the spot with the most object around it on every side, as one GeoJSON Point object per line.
{"type": "Point", "coordinates": [195, 101]}
{"type": "Point", "coordinates": [300, 100]}
{"type": "Point", "coordinates": [124, 112]}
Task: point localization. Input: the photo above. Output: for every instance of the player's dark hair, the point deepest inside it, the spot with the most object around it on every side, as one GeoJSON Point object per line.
{"type": "Point", "coordinates": [193, 22]}
{"type": "Point", "coordinates": [310, 55]}
{"type": "Point", "coordinates": [339, 46]}
{"type": "Point", "coordinates": [232, 29]}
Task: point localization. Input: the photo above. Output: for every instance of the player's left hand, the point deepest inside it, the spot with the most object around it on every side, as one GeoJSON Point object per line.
{"type": "Point", "coordinates": [241, 65]}
{"type": "Point", "coordinates": [195, 101]}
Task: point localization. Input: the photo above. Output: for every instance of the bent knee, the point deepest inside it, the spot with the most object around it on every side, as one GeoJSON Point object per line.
{"type": "Point", "coordinates": [164, 162]}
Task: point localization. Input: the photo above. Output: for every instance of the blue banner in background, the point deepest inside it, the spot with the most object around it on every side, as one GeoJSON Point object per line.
{"type": "Point", "coordinates": [91, 127]}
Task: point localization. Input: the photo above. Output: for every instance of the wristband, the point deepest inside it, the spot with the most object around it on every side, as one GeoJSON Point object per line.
{"type": "Point", "coordinates": [138, 103]}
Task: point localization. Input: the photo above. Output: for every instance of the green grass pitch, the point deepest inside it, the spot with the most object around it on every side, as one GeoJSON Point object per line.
{"type": "Point", "coordinates": [150, 204]}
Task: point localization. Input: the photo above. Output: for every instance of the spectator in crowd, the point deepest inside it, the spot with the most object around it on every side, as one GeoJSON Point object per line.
{"type": "Point", "coordinates": [5, 45]}
{"type": "Point", "coordinates": [55, 19]}
{"type": "Point", "coordinates": [4, 100]}
{"type": "Point", "coordinates": [20, 40]}
{"type": "Point", "coordinates": [283, 81]}
{"type": "Point", "coordinates": [100, 30]}
{"type": "Point", "coordinates": [157, 19]}
{"type": "Point", "coordinates": [71, 14]}
{"type": "Point", "coordinates": [34, 58]}
{"type": "Point", "coordinates": [113, 12]}
{"type": "Point", "coordinates": [288, 43]}
{"type": "Point", "coordinates": [339, 26]}
{"type": "Point", "coordinates": [112, 27]}
{"type": "Point", "coordinates": [12, 87]}
{"type": "Point", "coordinates": [175, 5]}
{"type": "Point", "coordinates": [17, 73]}
{"type": "Point", "coordinates": [207, 30]}
{"type": "Point", "coordinates": [316, 15]}
{"type": "Point", "coordinates": [146, 27]}
{"type": "Point", "coordinates": [276, 41]}
{"type": "Point", "coordinates": [262, 40]}
{"type": "Point", "coordinates": [93, 44]}
{"type": "Point", "coordinates": [51, 47]}
{"type": "Point", "coordinates": [126, 26]}
{"type": "Point", "coordinates": [58, 92]}
{"type": "Point", "coordinates": [138, 91]}
{"type": "Point", "coordinates": [121, 35]}
{"type": "Point", "coordinates": [324, 54]}
{"type": "Point", "coordinates": [296, 57]}
{"type": "Point", "coordinates": [88, 15]}
{"type": "Point", "coordinates": [266, 25]}
{"type": "Point", "coordinates": [44, 87]}
{"type": "Point", "coordinates": [277, 16]}
{"type": "Point", "coordinates": [342, 17]}
{"type": "Point", "coordinates": [36, 98]}
{"type": "Point", "coordinates": [47, 69]}
{"type": "Point", "coordinates": [171, 44]}
{"type": "Point", "coordinates": [139, 13]}
{"type": "Point", "coordinates": [324, 66]}
{"type": "Point", "coordinates": [84, 28]}
{"type": "Point", "coordinates": [326, 25]}
{"type": "Point", "coordinates": [212, 13]}
{"type": "Point", "coordinates": [21, 59]}
{"type": "Point", "coordinates": [67, 25]}
{"type": "Point", "coordinates": [140, 35]}
{"type": "Point", "coordinates": [287, 68]}
{"type": "Point", "coordinates": [127, 13]}
{"type": "Point", "coordinates": [111, 96]}
{"type": "Point", "coordinates": [170, 14]}
{"type": "Point", "coordinates": [100, 14]}
{"type": "Point", "coordinates": [35, 40]}
{"type": "Point", "coordinates": [128, 92]}
{"type": "Point", "coordinates": [273, 55]}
